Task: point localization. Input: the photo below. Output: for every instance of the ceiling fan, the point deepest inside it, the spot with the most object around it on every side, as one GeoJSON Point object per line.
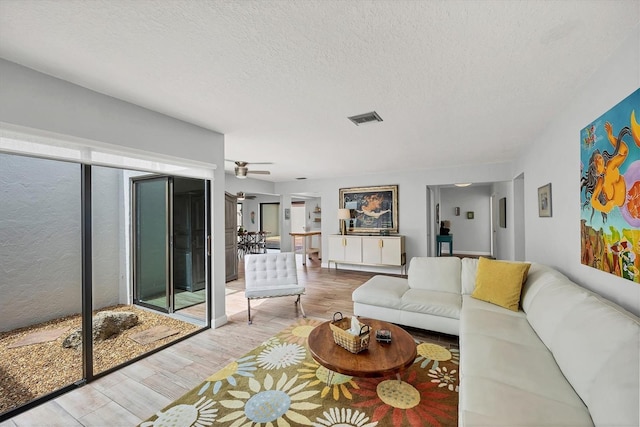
{"type": "Point", "coordinates": [242, 170]}
{"type": "Point", "coordinates": [241, 195]}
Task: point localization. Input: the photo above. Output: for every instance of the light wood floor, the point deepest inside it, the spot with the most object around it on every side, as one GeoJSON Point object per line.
{"type": "Point", "coordinates": [134, 393]}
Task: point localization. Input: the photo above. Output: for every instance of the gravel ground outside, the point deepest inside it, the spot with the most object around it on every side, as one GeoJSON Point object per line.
{"type": "Point", "coordinates": [34, 370]}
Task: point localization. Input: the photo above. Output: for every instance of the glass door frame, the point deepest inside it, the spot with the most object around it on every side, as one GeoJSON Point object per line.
{"type": "Point", "coordinates": [169, 305]}
{"type": "Point", "coordinates": [170, 288]}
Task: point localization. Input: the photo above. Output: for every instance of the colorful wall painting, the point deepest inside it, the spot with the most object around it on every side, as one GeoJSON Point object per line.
{"type": "Point", "coordinates": [610, 190]}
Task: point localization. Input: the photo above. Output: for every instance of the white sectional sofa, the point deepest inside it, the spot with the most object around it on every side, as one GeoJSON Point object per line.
{"type": "Point", "coordinates": [567, 357]}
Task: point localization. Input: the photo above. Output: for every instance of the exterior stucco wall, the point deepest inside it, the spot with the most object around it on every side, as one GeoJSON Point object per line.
{"type": "Point", "coordinates": [40, 244]}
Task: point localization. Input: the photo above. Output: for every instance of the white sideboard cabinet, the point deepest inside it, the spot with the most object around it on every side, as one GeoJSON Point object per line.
{"type": "Point", "coordinates": [388, 251]}
{"type": "Point", "coordinates": [345, 249]}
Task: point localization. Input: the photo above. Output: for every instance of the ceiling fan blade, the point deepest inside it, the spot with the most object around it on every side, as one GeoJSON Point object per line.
{"type": "Point", "coordinates": [259, 172]}
{"type": "Point", "coordinates": [247, 163]}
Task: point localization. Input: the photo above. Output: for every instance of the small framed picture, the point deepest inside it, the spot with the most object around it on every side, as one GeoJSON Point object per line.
{"type": "Point", "coordinates": [544, 200]}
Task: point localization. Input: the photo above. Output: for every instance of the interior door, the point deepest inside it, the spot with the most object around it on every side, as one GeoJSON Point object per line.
{"type": "Point", "coordinates": [231, 236]}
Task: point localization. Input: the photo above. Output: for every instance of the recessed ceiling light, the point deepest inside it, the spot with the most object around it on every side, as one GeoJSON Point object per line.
{"type": "Point", "coordinates": [361, 119]}
{"type": "Point", "coordinates": [465, 184]}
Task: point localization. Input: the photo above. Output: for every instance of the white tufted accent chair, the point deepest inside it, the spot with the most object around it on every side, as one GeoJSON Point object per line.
{"type": "Point", "coordinates": [271, 275]}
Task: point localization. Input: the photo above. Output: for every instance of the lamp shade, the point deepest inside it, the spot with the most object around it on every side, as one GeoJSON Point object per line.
{"type": "Point", "coordinates": [344, 214]}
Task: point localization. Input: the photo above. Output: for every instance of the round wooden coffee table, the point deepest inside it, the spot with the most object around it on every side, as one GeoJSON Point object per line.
{"type": "Point", "coordinates": [379, 360]}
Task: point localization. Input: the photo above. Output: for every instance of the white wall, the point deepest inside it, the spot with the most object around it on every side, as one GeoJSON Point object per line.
{"type": "Point", "coordinates": [504, 237]}
{"type": "Point", "coordinates": [518, 229]}
{"type": "Point", "coordinates": [34, 101]}
{"type": "Point", "coordinates": [554, 156]}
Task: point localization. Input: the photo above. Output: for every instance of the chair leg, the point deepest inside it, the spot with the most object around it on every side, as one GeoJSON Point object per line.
{"type": "Point", "coordinates": [249, 310]}
{"type": "Point", "coordinates": [299, 302]}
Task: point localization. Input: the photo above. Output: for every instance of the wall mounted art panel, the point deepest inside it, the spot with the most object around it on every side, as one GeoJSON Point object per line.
{"type": "Point", "coordinates": [610, 190]}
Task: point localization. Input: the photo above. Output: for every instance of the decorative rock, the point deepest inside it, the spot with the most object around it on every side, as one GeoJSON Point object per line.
{"type": "Point", "coordinates": [105, 325]}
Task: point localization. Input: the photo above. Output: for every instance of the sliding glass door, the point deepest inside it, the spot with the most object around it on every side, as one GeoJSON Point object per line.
{"type": "Point", "coordinates": [151, 242]}
{"type": "Point", "coordinates": [189, 209]}
{"type": "Point", "coordinates": [73, 240]}
{"type": "Point", "coordinates": [170, 242]}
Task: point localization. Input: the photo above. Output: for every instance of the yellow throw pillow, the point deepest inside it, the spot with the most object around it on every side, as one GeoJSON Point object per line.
{"type": "Point", "coordinates": [500, 282]}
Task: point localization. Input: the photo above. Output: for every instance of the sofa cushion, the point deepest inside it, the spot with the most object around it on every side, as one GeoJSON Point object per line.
{"type": "Point", "coordinates": [469, 268]}
{"type": "Point", "coordinates": [595, 341]}
{"type": "Point", "coordinates": [435, 274]}
{"type": "Point", "coordinates": [539, 276]}
{"type": "Point", "coordinates": [508, 376]}
{"type": "Point", "coordinates": [383, 291]}
{"type": "Point", "coordinates": [547, 300]}
{"type": "Point", "coordinates": [486, 402]}
{"type": "Point", "coordinates": [500, 282]}
{"type": "Point", "coordinates": [431, 302]}
{"type": "Point", "coordinates": [494, 321]}
{"type": "Point", "coordinates": [592, 340]}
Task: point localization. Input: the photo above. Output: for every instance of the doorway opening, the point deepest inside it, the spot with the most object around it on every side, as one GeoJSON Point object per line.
{"type": "Point", "coordinates": [270, 223]}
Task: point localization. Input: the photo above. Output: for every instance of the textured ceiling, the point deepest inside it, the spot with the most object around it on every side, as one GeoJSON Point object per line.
{"type": "Point", "coordinates": [456, 82]}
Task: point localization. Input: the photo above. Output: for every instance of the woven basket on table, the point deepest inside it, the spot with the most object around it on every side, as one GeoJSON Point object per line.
{"type": "Point", "coordinates": [350, 342]}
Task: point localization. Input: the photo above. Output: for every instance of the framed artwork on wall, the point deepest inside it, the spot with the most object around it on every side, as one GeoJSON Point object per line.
{"type": "Point", "coordinates": [373, 209]}
{"type": "Point", "coordinates": [544, 200]}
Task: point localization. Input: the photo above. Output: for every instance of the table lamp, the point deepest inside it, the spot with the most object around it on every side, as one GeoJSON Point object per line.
{"type": "Point", "coordinates": [343, 215]}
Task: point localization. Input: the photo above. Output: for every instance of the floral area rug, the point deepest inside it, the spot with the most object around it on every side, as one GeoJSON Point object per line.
{"type": "Point", "coordinates": [279, 384]}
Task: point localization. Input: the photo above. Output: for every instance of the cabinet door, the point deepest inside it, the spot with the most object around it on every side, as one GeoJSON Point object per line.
{"type": "Point", "coordinates": [391, 251]}
{"type": "Point", "coordinates": [336, 248]}
{"type": "Point", "coordinates": [371, 247]}
{"type": "Point", "coordinates": [353, 249]}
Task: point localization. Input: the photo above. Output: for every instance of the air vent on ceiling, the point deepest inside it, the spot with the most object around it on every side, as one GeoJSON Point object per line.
{"type": "Point", "coordinates": [361, 119]}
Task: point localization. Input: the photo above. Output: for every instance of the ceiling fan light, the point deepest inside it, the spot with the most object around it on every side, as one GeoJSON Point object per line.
{"type": "Point", "coordinates": [241, 172]}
